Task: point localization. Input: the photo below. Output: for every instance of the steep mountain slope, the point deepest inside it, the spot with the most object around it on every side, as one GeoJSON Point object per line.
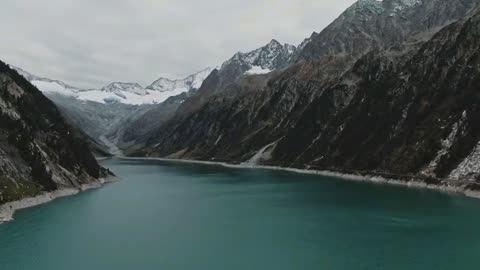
{"type": "Point", "coordinates": [38, 149]}
{"type": "Point", "coordinates": [401, 105]}
{"type": "Point", "coordinates": [139, 125]}
{"type": "Point", "coordinates": [99, 121]}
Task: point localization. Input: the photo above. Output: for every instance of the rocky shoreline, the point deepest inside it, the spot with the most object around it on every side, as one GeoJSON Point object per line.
{"type": "Point", "coordinates": [7, 210]}
{"type": "Point", "coordinates": [351, 177]}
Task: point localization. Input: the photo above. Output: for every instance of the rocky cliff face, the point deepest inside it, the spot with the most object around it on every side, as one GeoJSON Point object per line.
{"type": "Point", "coordinates": [38, 150]}
{"type": "Point", "coordinates": [400, 98]}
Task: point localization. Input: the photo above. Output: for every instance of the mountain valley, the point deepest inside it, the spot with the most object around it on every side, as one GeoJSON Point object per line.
{"type": "Point", "coordinates": [388, 89]}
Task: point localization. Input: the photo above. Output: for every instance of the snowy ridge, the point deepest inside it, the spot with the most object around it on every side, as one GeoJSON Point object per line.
{"type": "Point", "coordinates": [121, 92]}
{"type": "Point", "coordinates": [52, 85]}
{"type": "Point", "coordinates": [193, 81]}
{"type": "Point", "coordinates": [120, 86]}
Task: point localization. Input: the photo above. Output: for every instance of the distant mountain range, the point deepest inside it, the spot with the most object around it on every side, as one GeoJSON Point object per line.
{"type": "Point", "coordinates": [259, 61]}
{"type": "Point", "coordinates": [121, 92]}
{"type": "Point", "coordinates": [123, 112]}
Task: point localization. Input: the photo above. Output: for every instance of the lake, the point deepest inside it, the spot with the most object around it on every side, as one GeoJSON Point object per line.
{"type": "Point", "coordinates": [167, 215]}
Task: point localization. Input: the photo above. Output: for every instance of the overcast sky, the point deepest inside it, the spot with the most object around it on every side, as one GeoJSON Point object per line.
{"type": "Point", "coordinates": [89, 43]}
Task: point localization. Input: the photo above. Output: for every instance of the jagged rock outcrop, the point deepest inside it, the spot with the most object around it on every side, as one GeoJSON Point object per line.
{"type": "Point", "coordinates": [38, 150]}
{"type": "Point", "coordinates": [403, 103]}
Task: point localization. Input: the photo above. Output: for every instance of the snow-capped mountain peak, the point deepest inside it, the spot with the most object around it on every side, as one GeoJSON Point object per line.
{"type": "Point", "coordinates": [273, 44]}
{"type": "Point", "coordinates": [262, 60]}
{"type": "Point", "coordinates": [193, 81]}
{"type": "Point", "coordinates": [122, 86]}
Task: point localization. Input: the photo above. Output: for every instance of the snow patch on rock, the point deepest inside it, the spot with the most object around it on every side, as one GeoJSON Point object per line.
{"type": "Point", "coordinates": [257, 70]}
{"type": "Point", "coordinates": [469, 167]}
{"type": "Point", "coordinates": [446, 145]}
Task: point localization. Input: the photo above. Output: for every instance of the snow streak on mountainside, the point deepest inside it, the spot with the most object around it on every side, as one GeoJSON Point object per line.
{"type": "Point", "coordinates": [121, 92]}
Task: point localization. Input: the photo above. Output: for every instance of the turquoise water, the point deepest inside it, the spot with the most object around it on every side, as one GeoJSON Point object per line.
{"type": "Point", "coordinates": [172, 216]}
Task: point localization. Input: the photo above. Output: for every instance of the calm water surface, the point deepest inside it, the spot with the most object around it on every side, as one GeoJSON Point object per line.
{"type": "Point", "coordinates": [172, 216]}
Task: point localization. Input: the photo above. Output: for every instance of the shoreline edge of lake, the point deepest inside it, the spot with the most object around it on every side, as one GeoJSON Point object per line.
{"type": "Point", "coordinates": [7, 210]}
{"type": "Point", "coordinates": [351, 177]}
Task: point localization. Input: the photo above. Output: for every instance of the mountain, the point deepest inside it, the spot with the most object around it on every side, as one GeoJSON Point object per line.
{"type": "Point", "coordinates": [119, 87]}
{"type": "Point", "coordinates": [102, 122]}
{"type": "Point", "coordinates": [102, 115]}
{"type": "Point", "coordinates": [389, 88]}
{"type": "Point", "coordinates": [47, 85]}
{"type": "Point", "coordinates": [121, 113]}
{"type": "Point", "coordinates": [39, 151]}
{"type": "Point", "coordinates": [120, 92]}
{"type": "Point", "coordinates": [260, 61]}
{"type": "Point", "coordinates": [193, 81]}
{"type": "Point", "coordinates": [264, 60]}
{"type": "Point", "coordinates": [139, 125]}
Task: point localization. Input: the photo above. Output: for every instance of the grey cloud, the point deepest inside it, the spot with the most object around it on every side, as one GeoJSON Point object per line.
{"type": "Point", "coordinates": [90, 43]}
